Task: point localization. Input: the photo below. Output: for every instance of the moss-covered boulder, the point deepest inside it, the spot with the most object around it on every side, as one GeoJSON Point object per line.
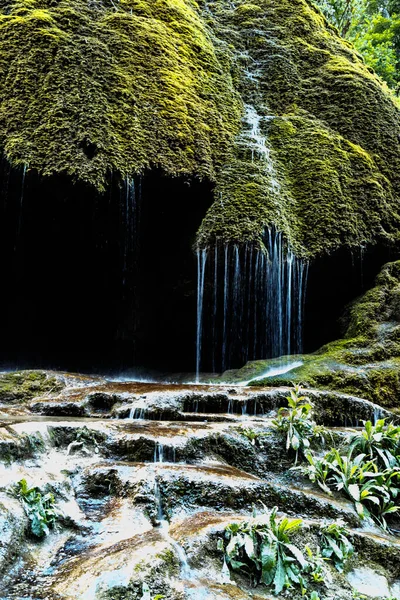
{"type": "Point", "coordinates": [90, 88]}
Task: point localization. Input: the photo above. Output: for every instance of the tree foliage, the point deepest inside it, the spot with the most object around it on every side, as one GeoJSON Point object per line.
{"type": "Point", "coordinates": [373, 26]}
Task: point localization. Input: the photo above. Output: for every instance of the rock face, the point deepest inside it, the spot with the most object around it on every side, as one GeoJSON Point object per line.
{"type": "Point", "coordinates": [144, 500]}
{"type": "Point", "coordinates": [261, 98]}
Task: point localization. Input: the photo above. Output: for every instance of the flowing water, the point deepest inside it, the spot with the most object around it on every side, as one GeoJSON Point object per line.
{"type": "Point", "coordinates": [250, 300]}
{"type": "Point", "coordinates": [258, 308]}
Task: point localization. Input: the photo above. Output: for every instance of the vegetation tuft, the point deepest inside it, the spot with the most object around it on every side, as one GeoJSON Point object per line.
{"type": "Point", "coordinates": [263, 550]}
{"type": "Point", "coordinates": [40, 509]}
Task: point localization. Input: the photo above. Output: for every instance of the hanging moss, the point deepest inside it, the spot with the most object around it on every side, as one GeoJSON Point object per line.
{"type": "Point", "coordinates": [92, 87]}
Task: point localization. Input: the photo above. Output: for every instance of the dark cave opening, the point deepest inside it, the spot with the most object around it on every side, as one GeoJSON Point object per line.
{"type": "Point", "coordinates": [99, 283]}
{"type": "Point", "coordinates": [107, 283]}
{"type": "Point", "coordinates": [333, 283]}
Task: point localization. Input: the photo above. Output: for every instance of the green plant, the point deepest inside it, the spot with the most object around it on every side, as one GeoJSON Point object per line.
{"type": "Point", "coordinates": [261, 549]}
{"type": "Point", "coordinates": [317, 568]}
{"type": "Point", "coordinates": [317, 470]}
{"type": "Point", "coordinates": [357, 596]}
{"type": "Point", "coordinates": [296, 423]}
{"type": "Point", "coordinates": [254, 437]}
{"type": "Point", "coordinates": [380, 442]}
{"type": "Point", "coordinates": [335, 544]}
{"type": "Point", "coordinates": [373, 492]}
{"type": "Point", "coordinates": [41, 510]}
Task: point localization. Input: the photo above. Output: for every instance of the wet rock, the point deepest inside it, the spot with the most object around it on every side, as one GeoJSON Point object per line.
{"type": "Point", "coordinates": [13, 525]}
{"type": "Point", "coordinates": [57, 408]}
{"type": "Point", "coordinates": [101, 481]}
{"type": "Point", "coordinates": [367, 581]}
{"type": "Point", "coordinates": [102, 402]}
{"type": "Point", "coordinates": [16, 446]}
{"type": "Point", "coordinates": [395, 590]}
{"type": "Point", "coordinates": [118, 571]}
{"type": "Point", "coordinates": [63, 435]}
{"type": "Point", "coordinates": [118, 480]}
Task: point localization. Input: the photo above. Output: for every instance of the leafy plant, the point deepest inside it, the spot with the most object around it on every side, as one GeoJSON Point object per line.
{"type": "Point", "coordinates": [261, 549]}
{"type": "Point", "coordinates": [41, 510]}
{"type": "Point", "coordinates": [254, 437]}
{"type": "Point", "coordinates": [373, 492]}
{"type": "Point", "coordinates": [336, 546]}
{"type": "Point", "coordinates": [317, 470]}
{"type": "Point", "coordinates": [317, 568]}
{"type": "Point", "coordinates": [296, 422]}
{"type": "Point", "coordinates": [380, 442]}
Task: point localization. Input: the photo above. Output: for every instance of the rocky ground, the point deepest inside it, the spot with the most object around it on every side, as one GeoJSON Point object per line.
{"type": "Point", "coordinates": [148, 476]}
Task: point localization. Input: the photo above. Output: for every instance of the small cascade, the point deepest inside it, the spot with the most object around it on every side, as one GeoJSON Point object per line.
{"type": "Point", "coordinates": [130, 216]}
{"type": "Point", "coordinates": [137, 412]}
{"type": "Point", "coordinates": [186, 573]}
{"type": "Point", "coordinates": [193, 587]}
{"type": "Point", "coordinates": [250, 303]}
{"type": "Point", "coordinates": [201, 267]}
{"type": "Point", "coordinates": [158, 453]}
{"type": "Point", "coordinates": [377, 414]}
{"type": "Point", "coordinates": [253, 139]}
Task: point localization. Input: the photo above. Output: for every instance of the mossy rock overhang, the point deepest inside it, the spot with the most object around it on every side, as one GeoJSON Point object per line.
{"type": "Point", "coordinates": [332, 130]}
{"type": "Point", "coordinates": [93, 88]}
{"type": "Point", "coordinates": [90, 88]}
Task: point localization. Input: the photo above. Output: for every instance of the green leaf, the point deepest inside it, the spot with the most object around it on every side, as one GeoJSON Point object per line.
{"type": "Point", "coordinates": [280, 576]}
{"type": "Point", "coordinates": [231, 547]}
{"type": "Point", "coordinates": [360, 509]}
{"type": "Point", "coordinates": [354, 492]}
{"type": "Point", "coordinates": [335, 548]}
{"type": "Point", "coordinates": [236, 564]}
{"type": "Point", "coordinates": [295, 442]}
{"type": "Point", "coordinates": [268, 562]}
{"type": "Point", "coordinates": [297, 554]}
{"type": "Point", "coordinates": [249, 546]}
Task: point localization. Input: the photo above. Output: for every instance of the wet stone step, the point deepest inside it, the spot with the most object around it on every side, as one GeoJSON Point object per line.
{"type": "Point", "coordinates": [215, 486]}
{"type": "Point", "coordinates": [180, 402]}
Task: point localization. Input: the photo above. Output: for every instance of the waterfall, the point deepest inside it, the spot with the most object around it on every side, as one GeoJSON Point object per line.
{"type": "Point", "coordinates": [129, 225]}
{"type": "Point", "coordinates": [201, 268]}
{"type": "Point", "coordinates": [256, 299]}
{"type": "Point", "coordinates": [252, 138]}
{"type": "Point", "coordinates": [21, 206]}
{"type": "Point", "coordinates": [215, 302]}
{"type": "Point", "coordinates": [158, 453]}
{"type": "Point", "coordinates": [226, 293]}
{"type": "Point", "coordinates": [130, 209]}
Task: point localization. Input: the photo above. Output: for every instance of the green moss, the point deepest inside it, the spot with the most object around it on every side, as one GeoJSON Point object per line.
{"type": "Point", "coordinates": [331, 125]}
{"type": "Point", "coordinates": [142, 86]}
{"type": "Point", "coordinates": [25, 385]}
{"type": "Point", "coordinates": [90, 89]}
